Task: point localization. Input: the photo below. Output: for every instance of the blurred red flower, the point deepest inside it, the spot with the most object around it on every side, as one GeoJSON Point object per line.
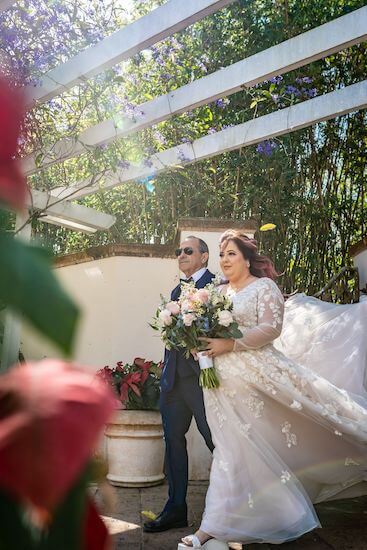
{"type": "Point", "coordinates": [95, 532]}
{"type": "Point", "coordinates": [13, 187]}
{"type": "Point", "coordinates": [51, 416]}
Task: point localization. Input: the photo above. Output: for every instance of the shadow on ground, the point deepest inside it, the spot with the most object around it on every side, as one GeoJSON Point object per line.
{"type": "Point", "coordinates": [344, 522]}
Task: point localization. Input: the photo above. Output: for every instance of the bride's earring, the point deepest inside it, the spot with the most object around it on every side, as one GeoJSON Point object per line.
{"type": "Point", "coordinates": [248, 263]}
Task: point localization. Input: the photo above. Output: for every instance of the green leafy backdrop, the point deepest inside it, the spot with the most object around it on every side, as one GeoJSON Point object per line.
{"type": "Point", "coordinates": [309, 183]}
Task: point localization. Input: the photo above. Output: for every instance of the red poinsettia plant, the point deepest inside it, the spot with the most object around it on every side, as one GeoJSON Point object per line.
{"type": "Point", "coordinates": [136, 384]}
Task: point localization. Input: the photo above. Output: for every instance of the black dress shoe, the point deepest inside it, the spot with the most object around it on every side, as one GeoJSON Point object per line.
{"type": "Point", "coordinates": [166, 520]}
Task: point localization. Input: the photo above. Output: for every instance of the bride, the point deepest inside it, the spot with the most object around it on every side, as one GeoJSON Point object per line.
{"type": "Point", "coordinates": [284, 435]}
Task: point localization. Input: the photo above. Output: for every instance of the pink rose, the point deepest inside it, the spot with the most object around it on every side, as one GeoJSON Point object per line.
{"type": "Point", "coordinates": [165, 317]}
{"type": "Point", "coordinates": [188, 319]}
{"type": "Point", "coordinates": [203, 295]}
{"type": "Point", "coordinates": [173, 308]}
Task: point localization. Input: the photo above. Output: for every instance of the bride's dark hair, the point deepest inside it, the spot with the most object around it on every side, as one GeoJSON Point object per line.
{"type": "Point", "coordinates": [260, 266]}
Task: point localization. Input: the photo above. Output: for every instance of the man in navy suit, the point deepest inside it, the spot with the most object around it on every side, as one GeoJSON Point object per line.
{"type": "Point", "coordinates": [181, 398]}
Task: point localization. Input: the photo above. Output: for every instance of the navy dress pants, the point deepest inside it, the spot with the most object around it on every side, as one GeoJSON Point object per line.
{"type": "Point", "coordinates": [178, 406]}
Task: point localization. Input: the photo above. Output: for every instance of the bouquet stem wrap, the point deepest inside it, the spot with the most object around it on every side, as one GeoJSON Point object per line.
{"type": "Point", "coordinates": [208, 377]}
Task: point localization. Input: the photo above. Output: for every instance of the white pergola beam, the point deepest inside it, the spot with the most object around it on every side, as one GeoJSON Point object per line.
{"type": "Point", "coordinates": [66, 211]}
{"type": "Point", "coordinates": [291, 119]}
{"type": "Point", "coordinates": [160, 23]}
{"type": "Point", "coordinates": [296, 52]}
{"type": "Point", "coordinates": [5, 4]}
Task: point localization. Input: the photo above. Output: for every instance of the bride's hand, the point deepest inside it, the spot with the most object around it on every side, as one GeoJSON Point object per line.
{"type": "Point", "coordinates": [217, 346]}
{"type": "Point", "coordinates": [194, 353]}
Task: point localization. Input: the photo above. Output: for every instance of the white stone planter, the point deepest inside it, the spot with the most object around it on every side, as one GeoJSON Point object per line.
{"type": "Point", "coordinates": [135, 449]}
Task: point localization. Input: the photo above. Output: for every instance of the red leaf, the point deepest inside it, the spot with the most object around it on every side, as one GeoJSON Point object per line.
{"type": "Point", "coordinates": [124, 391]}
{"type": "Point", "coordinates": [135, 389]}
{"type": "Point", "coordinates": [51, 415]}
{"type": "Point", "coordinates": [144, 376]}
{"type": "Point", "coordinates": [134, 378]}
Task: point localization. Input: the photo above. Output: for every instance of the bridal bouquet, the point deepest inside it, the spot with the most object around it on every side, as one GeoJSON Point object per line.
{"type": "Point", "coordinates": [204, 312]}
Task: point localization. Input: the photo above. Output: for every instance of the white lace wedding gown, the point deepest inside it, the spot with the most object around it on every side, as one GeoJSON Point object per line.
{"type": "Point", "coordinates": [284, 436]}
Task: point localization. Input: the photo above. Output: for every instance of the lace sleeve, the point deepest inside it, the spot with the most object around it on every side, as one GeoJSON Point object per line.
{"type": "Point", "coordinates": [270, 308]}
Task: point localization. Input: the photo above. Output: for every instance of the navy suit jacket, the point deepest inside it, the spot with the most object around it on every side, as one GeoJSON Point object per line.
{"type": "Point", "coordinates": [174, 357]}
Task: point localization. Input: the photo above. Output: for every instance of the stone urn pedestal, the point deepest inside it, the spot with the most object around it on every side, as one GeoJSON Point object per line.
{"type": "Point", "coordinates": [135, 449]}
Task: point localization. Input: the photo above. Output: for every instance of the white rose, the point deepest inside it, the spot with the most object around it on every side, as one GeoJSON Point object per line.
{"type": "Point", "coordinates": [225, 318]}
{"type": "Point", "coordinates": [165, 317]}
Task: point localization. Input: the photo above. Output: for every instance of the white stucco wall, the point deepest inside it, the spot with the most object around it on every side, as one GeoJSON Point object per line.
{"type": "Point", "coordinates": [118, 297]}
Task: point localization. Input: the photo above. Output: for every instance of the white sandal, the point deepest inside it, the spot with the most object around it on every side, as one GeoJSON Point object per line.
{"type": "Point", "coordinates": [195, 542]}
{"type": "Point", "coordinates": [213, 544]}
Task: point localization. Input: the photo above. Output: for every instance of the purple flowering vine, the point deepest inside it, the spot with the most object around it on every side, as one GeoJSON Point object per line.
{"type": "Point", "coordinates": [222, 103]}
{"type": "Point", "coordinates": [266, 147]}
{"type": "Point", "coordinates": [147, 163]}
{"type": "Point", "coordinates": [123, 164]}
{"type": "Point", "coordinates": [182, 157]}
{"type": "Point", "coordinates": [276, 79]}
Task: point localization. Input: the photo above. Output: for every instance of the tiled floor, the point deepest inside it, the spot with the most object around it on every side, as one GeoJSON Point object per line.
{"type": "Point", "coordinates": [344, 522]}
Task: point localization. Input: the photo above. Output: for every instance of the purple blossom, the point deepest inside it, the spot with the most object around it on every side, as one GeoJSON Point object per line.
{"type": "Point", "coordinates": [147, 163]}
{"type": "Point", "coordinates": [266, 147]}
{"type": "Point", "coordinates": [159, 137]}
{"type": "Point", "coordinates": [132, 111]}
{"type": "Point", "coordinates": [123, 164]}
{"type": "Point", "coordinates": [311, 93]}
{"type": "Point", "coordinates": [275, 97]}
{"type": "Point", "coordinates": [202, 66]}
{"type": "Point", "coordinates": [185, 140]}
{"type": "Point", "coordinates": [225, 126]}
{"type": "Point", "coordinates": [304, 80]}
{"type": "Point", "coordinates": [182, 157]}
{"type": "Point", "coordinates": [276, 79]}
{"type": "Point", "coordinates": [212, 131]}
{"type": "Point", "coordinates": [222, 103]}
{"type": "Point", "coordinates": [293, 91]}
{"type": "Point", "coordinates": [102, 147]}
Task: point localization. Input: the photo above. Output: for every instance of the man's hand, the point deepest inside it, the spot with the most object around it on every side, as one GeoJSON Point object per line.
{"type": "Point", "coordinates": [217, 346]}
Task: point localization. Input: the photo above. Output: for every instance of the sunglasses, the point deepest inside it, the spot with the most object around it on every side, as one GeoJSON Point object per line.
{"type": "Point", "coordinates": [187, 250]}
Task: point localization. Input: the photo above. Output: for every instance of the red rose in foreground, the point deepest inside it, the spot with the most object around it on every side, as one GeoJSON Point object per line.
{"type": "Point", "coordinates": [51, 415]}
{"type": "Point", "coordinates": [13, 187]}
